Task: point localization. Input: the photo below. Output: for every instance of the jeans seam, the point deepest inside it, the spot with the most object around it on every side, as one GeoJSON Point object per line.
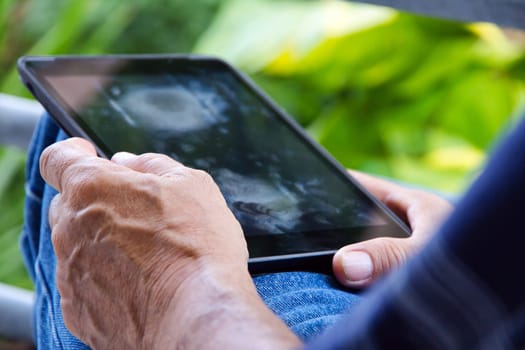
{"type": "Point", "coordinates": [31, 194]}
{"type": "Point", "coordinates": [46, 289]}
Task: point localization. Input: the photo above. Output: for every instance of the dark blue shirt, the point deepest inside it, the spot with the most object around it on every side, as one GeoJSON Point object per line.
{"type": "Point", "coordinates": [509, 13]}
{"type": "Point", "coordinates": [465, 290]}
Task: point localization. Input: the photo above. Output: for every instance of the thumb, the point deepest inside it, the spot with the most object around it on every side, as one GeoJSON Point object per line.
{"type": "Point", "coordinates": [358, 265]}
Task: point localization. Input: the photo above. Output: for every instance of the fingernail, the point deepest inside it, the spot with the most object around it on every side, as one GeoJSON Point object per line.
{"type": "Point", "coordinates": [122, 157]}
{"type": "Point", "coordinates": [357, 266]}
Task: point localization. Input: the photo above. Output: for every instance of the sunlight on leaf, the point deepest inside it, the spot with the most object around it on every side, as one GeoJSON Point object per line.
{"type": "Point", "coordinates": [455, 158]}
{"type": "Point", "coordinates": [296, 28]}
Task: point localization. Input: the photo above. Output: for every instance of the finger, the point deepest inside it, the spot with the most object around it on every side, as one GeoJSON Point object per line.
{"type": "Point", "coordinates": [422, 211]}
{"type": "Point", "coordinates": [395, 197]}
{"type": "Point", "coordinates": [359, 265]}
{"type": "Point", "coordinates": [58, 158]}
{"type": "Point", "coordinates": [377, 187]}
{"type": "Point", "coordinates": [54, 211]}
{"type": "Point", "coordinates": [153, 163]}
{"type": "Point", "coordinates": [425, 214]}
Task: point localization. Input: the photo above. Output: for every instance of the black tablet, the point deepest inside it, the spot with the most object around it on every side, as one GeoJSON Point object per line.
{"type": "Point", "coordinates": [296, 204]}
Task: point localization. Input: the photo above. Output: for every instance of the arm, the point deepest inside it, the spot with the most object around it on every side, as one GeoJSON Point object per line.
{"type": "Point", "coordinates": [149, 256]}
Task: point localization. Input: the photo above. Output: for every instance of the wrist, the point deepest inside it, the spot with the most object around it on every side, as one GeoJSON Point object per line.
{"type": "Point", "coordinates": [185, 296]}
{"type": "Point", "coordinates": [218, 306]}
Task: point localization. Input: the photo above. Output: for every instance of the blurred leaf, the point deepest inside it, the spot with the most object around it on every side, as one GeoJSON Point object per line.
{"type": "Point", "coordinates": [517, 69]}
{"type": "Point", "coordinates": [455, 158]}
{"type": "Point", "coordinates": [416, 172]}
{"type": "Point", "coordinates": [103, 35]}
{"type": "Point", "coordinates": [296, 27]}
{"type": "Point", "coordinates": [434, 70]}
{"type": "Point", "coordinates": [54, 41]}
{"type": "Point", "coordinates": [10, 165]}
{"type": "Point", "coordinates": [7, 8]}
{"type": "Point", "coordinates": [477, 106]}
{"type": "Point", "coordinates": [12, 269]}
{"type": "Point", "coordinates": [166, 26]}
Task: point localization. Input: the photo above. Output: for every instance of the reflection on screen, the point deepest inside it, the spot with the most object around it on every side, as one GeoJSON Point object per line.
{"type": "Point", "coordinates": [210, 120]}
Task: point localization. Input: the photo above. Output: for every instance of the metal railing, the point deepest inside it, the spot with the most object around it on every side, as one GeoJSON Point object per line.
{"type": "Point", "coordinates": [18, 118]}
{"type": "Point", "coordinates": [16, 317]}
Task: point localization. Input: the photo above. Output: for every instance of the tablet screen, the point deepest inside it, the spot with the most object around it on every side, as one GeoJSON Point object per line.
{"type": "Point", "coordinates": [288, 196]}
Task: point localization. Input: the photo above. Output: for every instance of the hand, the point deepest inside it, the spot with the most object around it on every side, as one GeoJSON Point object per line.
{"type": "Point", "coordinates": [148, 254]}
{"type": "Point", "coordinates": [358, 265]}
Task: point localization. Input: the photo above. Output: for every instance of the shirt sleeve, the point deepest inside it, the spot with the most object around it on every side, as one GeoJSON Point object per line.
{"type": "Point", "coordinates": [465, 289]}
{"type": "Point", "coordinates": [507, 13]}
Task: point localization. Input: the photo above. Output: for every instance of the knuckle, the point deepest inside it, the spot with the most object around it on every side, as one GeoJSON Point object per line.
{"type": "Point", "coordinates": [51, 162]}
{"type": "Point", "coordinates": [391, 199]}
{"type": "Point", "coordinates": [152, 159]}
{"type": "Point", "coordinates": [201, 175]}
{"type": "Point", "coordinates": [84, 176]}
{"type": "Point", "coordinates": [203, 180]}
{"type": "Point", "coordinates": [81, 191]}
{"type": "Point", "coordinates": [430, 202]}
{"type": "Point", "coordinates": [58, 239]}
{"type": "Point", "coordinates": [45, 157]}
{"type": "Point", "coordinates": [148, 157]}
{"type": "Point", "coordinates": [423, 197]}
{"type": "Point", "coordinates": [398, 251]}
{"type": "Point", "coordinates": [390, 253]}
{"type": "Point", "coordinates": [54, 210]}
{"type": "Point", "coordinates": [158, 164]}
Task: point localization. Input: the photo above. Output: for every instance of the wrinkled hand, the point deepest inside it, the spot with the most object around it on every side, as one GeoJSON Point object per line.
{"type": "Point", "coordinates": [358, 265]}
{"type": "Point", "coordinates": [135, 236]}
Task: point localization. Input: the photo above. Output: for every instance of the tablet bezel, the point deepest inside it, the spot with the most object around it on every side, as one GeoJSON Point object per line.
{"type": "Point", "coordinates": [61, 112]}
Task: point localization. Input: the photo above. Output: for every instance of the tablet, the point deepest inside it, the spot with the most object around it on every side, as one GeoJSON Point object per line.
{"type": "Point", "coordinates": [295, 203]}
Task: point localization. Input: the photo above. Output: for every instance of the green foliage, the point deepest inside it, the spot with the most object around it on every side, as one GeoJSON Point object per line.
{"type": "Point", "coordinates": [417, 99]}
{"type": "Point", "coordinates": [50, 27]}
{"type": "Point", "coordinates": [11, 204]}
{"type": "Point", "coordinates": [413, 98]}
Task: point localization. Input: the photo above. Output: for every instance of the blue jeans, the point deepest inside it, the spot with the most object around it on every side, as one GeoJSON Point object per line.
{"type": "Point", "coordinates": [306, 302]}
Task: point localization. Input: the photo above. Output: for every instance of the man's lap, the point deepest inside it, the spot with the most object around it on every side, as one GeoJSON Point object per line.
{"type": "Point", "coordinates": [307, 302]}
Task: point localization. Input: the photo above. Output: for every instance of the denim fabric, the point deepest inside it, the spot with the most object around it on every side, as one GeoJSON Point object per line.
{"type": "Point", "coordinates": [50, 331]}
{"type": "Point", "coordinates": [307, 302]}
